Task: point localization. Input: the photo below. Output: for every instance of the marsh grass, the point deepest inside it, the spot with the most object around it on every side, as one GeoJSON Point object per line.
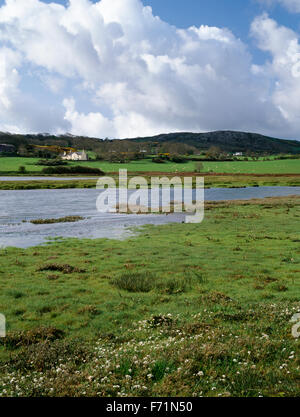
{"type": "Point", "coordinates": [226, 178]}
{"type": "Point", "coordinates": [172, 311]}
{"type": "Point", "coordinates": [66, 219]}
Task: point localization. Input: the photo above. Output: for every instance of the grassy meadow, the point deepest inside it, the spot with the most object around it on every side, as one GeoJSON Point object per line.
{"type": "Point", "coordinates": [217, 174]}
{"type": "Point", "coordinates": [176, 310]}
{"type": "Point", "coordinates": [287, 166]}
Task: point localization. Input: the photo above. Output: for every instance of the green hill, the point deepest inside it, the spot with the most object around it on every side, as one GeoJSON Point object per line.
{"type": "Point", "coordinates": [230, 141]}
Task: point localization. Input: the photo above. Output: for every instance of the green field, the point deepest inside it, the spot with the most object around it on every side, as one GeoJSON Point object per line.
{"type": "Point", "coordinates": [177, 310]}
{"type": "Point", "coordinates": [211, 181]}
{"type": "Point", "coordinates": [288, 166]}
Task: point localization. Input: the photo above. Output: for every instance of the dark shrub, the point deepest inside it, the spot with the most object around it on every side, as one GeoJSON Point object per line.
{"type": "Point", "coordinates": [158, 160]}
{"type": "Point", "coordinates": [22, 169]}
{"type": "Point", "coordinates": [76, 169]}
{"type": "Point", "coordinates": [177, 159]}
{"type": "Point", "coordinates": [51, 163]}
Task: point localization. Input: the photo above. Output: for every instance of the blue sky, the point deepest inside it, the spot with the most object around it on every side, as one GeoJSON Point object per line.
{"type": "Point", "coordinates": [111, 69]}
{"type": "Point", "coordinates": [236, 15]}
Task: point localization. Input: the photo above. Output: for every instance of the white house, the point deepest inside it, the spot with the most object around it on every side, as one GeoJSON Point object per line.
{"type": "Point", "coordinates": [75, 156]}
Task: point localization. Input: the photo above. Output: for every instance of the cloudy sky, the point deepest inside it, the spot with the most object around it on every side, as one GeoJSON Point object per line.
{"type": "Point", "coordinates": [126, 68]}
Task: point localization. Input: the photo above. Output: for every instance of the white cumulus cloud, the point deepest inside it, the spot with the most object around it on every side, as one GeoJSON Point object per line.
{"type": "Point", "coordinates": [292, 5]}
{"type": "Point", "coordinates": [112, 68]}
{"type": "Point", "coordinates": [284, 47]}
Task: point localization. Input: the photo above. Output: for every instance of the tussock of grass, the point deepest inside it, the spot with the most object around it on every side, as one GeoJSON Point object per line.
{"type": "Point", "coordinates": [29, 337]}
{"type": "Point", "coordinates": [92, 310]}
{"type": "Point", "coordinates": [65, 268]}
{"type": "Point", "coordinates": [52, 277]}
{"type": "Point", "coordinates": [44, 356]}
{"type": "Point", "coordinates": [135, 282]}
{"type": "Point", "coordinates": [145, 282]}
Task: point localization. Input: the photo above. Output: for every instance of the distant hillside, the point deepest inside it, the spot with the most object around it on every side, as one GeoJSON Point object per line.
{"type": "Point", "coordinates": [47, 139]}
{"type": "Point", "coordinates": [229, 141]}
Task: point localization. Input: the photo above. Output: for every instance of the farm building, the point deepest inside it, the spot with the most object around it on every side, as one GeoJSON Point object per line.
{"type": "Point", "coordinates": [75, 156]}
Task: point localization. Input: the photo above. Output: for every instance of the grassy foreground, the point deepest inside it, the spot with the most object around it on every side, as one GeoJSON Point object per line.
{"type": "Point", "coordinates": [178, 310]}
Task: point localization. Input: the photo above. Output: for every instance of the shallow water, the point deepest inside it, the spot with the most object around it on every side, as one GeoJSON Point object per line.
{"type": "Point", "coordinates": [17, 206]}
